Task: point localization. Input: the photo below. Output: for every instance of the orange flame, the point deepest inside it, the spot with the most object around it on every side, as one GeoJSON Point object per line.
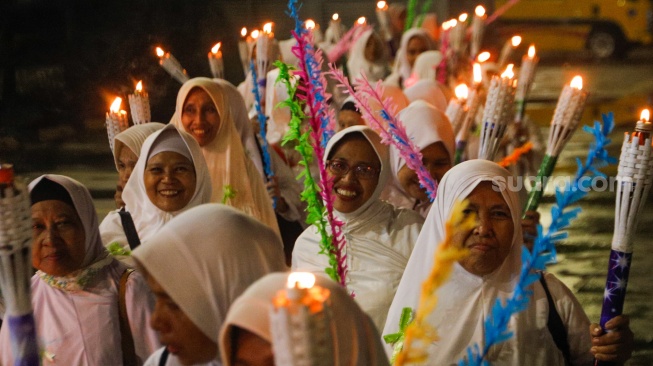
{"type": "Point", "coordinates": [267, 28]}
{"type": "Point", "coordinates": [309, 24]}
{"type": "Point", "coordinates": [509, 73]}
{"type": "Point", "coordinates": [160, 52]}
{"type": "Point", "coordinates": [382, 5]}
{"type": "Point", "coordinates": [483, 56]}
{"type": "Point", "coordinates": [462, 18]}
{"type": "Point", "coordinates": [243, 32]}
{"type": "Point", "coordinates": [515, 40]}
{"type": "Point", "coordinates": [577, 82]}
{"type": "Point", "coordinates": [335, 16]}
{"type": "Point", "coordinates": [115, 106]}
{"type": "Point", "coordinates": [302, 280]}
{"type": "Point", "coordinates": [361, 21]}
{"type": "Point", "coordinates": [645, 115]}
{"type": "Point", "coordinates": [255, 33]}
{"type": "Point", "coordinates": [461, 91]}
{"type": "Point", "coordinates": [216, 48]}
{"type": "Point", "coordinates": [139, 86]}
{"type": "Point", "coordinates": [478, 74]}
{"type": "Point", "coordinates": [531, 51]}
{"type": "Point", "coordinates": [480, 11]}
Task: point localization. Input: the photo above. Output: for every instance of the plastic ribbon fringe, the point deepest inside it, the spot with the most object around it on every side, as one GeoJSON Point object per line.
{"type": "Point", "coordinates": [395, 133]}
{"type": "Point", "coordinates": [410, 14]}
{"type": "Point", "coordinates": [115, 249]}
{"type": "Point", "coordinates": [425, 9]}
{"type": "Point", "coordinates": [544, 251]}
{"type": "Point", "coordinates": [228, 192]}
{"type": "Point", "coordinates": [514, 157]}
{"type": "Point", "coordinates": [446, 255]}
{"type": "Point", "coordinates": [345, 43]}
{"type": "Point", "coordinates": [397, 339]}
{"type": "Point", "coordinates": [332, 245]}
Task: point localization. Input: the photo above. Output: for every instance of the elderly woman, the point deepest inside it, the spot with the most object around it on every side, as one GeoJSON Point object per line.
{"type": "Point", "coordinates": [245, 338]}
{"type": "Point", "coordinates": [169, 178]}
{"type": "Point", "coordinates": [490, 272]}
{"type": "Point", "coordinates": [88, 307]}
{"type": "Point", "coordinates": [379, 236]}
{"type": "Point", "coordinates": [203, 111]}
{"type": "Point", "coordinates": [196, 270]}
{"type": "Point", "coordinates": [414, 42]}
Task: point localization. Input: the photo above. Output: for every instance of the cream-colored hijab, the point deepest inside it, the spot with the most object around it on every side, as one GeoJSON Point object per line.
{"type": "Point", "coordinates": [133, 138]}
{"type": "Point", "coordinates": [428, 91]}
{"type": "Point", "coordinates": [402, 68]}
{"type": "Point", "coordinates": [355, 339]}
{"type": "Point", "coordinates": [228, 164]}
{"type": "Point", "coordinates": [358, 64]}
{"type": "Point", "coordinates": [206, 257]}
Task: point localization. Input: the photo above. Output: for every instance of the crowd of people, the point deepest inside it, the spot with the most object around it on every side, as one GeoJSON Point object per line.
{"type": "Point", "coordinates": [183, 272]}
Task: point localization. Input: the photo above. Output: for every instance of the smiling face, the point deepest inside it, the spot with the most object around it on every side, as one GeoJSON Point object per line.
{"type": "Point", "coordinates": [415, 47]}
{"type": "Point", "coordinates": [176, 331]}
{"type": "Point", "coordinates": [200, 116]}
{"type": "Point", "coordinates": [490, 241]}
{"type": "Point", "coordinates": [58, 246]}
{"type": "Point", "coordinates": [351, 190]}
{"type": "Point", "coordinates": [169, 181]}
{"type": "Point", "coordinates": [436, 160]}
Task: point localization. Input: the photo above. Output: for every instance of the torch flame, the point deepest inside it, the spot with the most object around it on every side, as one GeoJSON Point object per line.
{"type": "Point", "coordinates": [115, 106]}
{"type": "Point", "coordinates": [335, 16]}
{"type": "Point", "coordinates": [243, 32]}
{"type": "Point", "coordinates": [480, 11]}
{"type": "Point", "coordinates": [160, 52]}
{"type": "Point", "coordinates": [381, 5]}
{"type": "Point", "coordinates": [361, 21]}
{"type": "Point", "coordinates": [453, 23]}
{"type": "Point", "coordinates": [483, 56]}
{"type": "Point", "coordinates": [577, 82]}
{"type": "Point", "coordinates": [462, 18]}
{"type": "Point", "coordinates": [309, 24]}
{"type": "Point", "coordinates": [255, 34]}
{"type": "Point", "coordinates": [462, 91]}
{"type": "Point", "coordinates": [139, 87]}
{"type": "Point", "coordinates": [446, 25]}
{"type": "Point", "coordinates": [516, 41]}
{"type": "Point", "coordinates": [508, 73]}
{"type": "Point", "coordinates": [478, 74]}
{"type": "Point", "coordinates": [645, 116]}
{"type": "Point", "coordinates": [302, 280]}
{"type": "Point", "coordinates": [531, 51]}
{"type": "Point", "coordinates": [216, 48]}
{"type": "Point", "coordinates": [267, 28]}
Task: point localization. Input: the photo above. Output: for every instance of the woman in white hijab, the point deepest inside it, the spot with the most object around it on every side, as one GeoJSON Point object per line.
{"type": "Point", "coordinates": [428, 91]}
{"type": "Point", "coordinates": [414, 42]}
{"type": "Point", "coordinates": [79, 289]}
{"type": "Point", "coordinates": [203, 111]}
{"type": "Point", "coordinates": [379, 236]}
{"type": "Point", "coordinates": [368, 56]}
{"type": "Point", "coordinates": [126, 150]}
{"type": "Point", "coordinates": [488, 273]}
{"type": "Point", "coordinates": [245, 337]}
{"type": "Point", "coordinates": [432, 134]}
{"type": "Point", "coordinates": [200, 263]}
{"type": "Point", "coordinates": [159, 190]}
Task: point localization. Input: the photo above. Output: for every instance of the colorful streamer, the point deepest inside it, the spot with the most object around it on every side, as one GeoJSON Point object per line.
{"type": "Point", "coordinates": [544, 251]}
{"type": "Point", "coordinates": [410, 14]}
{"type": "Point", "coordinates": [395, 133]}
{"type": "Point", "coordinates": [397, 339]}
{"type": "Point", "coordinates": [345, 43]}
{"type": "Point", "coordinates": [425, 9]}
{"type": "Point", "coordinates": [514, 157]}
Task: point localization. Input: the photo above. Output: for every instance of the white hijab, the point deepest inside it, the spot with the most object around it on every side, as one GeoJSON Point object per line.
{"type": "Point", "coordinates": [228, 165]}
{"type": "Point", "coordinates": [428, 91]}
{"type": "Point", "coordinates": [402, 68]}
{"type": "Point", "coordinates": [148, 218]}
{"type": "Point", "coordinates": [355, 339]}
{"type": "Point", "coordinates": [133, 138]}
{"type": "Point", "coordinates": [466, 299]}
{"type": "Point", "coordinates": [426, 65]}
{"type": "Point", "coordinates": [206, 257]}
{"type": "Point", "coordinates": [358, 64]}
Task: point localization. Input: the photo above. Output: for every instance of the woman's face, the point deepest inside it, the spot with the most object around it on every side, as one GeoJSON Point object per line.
{"type": "Point", "coordinates": [177, 332]}
{"type": "Point", "coordinates": [373, 49]}
{"type": "Point", "coordinates": [358, 159]}
{"type": "Point", "coordinates": [347, 118]}
{"type": "Point", "coordinates": [252, 350]}
{"type": "Point", "coordinates": [169, 181]}
{"type": "Point", "coordinates": [58, 246]}
{"type": "Point", "coordinates": [436, 160]}
{"type": "Point", "coordinates": [200, 116]}
{"type": "Point", "coordinates": [415, 47]}
{"type": "Point", "coordinates": [490, 241]}
{"type": "Point", "coordinates": [126, 162]}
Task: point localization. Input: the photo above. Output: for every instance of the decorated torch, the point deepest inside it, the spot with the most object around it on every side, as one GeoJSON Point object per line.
{"type": "Point", "coordinates": [335, 31]}
{"type": "Point", "coordinates": [507, 50]}
{"type": "Point", "coordinates": [497, 114]}
{"type": "Point", "coordinates": [563, 125]}
{"type": "Point", "coordinates": [243, 50]}
{"type": "Point", "coordinates": [263, 56]}
{"type": "Point", "coordinates": [478, 28]}
{"type": "Point", "coordinates": [634, 177]}
{"type": "Point", "coordinates": [16, 267]}
{"type": "Point", "coordinates": [215, 61]}
{"type": "Point", "coordinates": [299, 323]}
{"type": "Point", "coordinates": [525, 81]}
{"type": "Point", "coordinates": [171, 65]}
{"type": "Point", "coordinates": [116, 120]}
{"type": "Point", "coordinates": [473, 102]}
{"type": "Point", "coordinates": [382, 17]}
{"type": "Point", "coordinates": [456, 109]}
{"type": "Point", "coordinates": [139, 104]}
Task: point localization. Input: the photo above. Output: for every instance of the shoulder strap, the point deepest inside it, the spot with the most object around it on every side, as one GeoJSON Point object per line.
{"type": "Point", "coordinates": [130, 228]}
{"type": "Point", "coordinates": [126, 339]}
{"type": "Point", "coordinates": [164, 357]}
{"type": "Point", "coordinates": [555, 324]}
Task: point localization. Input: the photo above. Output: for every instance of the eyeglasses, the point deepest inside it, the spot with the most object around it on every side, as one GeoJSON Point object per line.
{"type": "Point", "coordinates": [340, 168]}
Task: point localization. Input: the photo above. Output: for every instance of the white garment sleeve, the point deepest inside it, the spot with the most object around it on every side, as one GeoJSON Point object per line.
{"type": "Point", "coordinates": [140, 303]}
{"type": "Point", "coordinates": [111, 230]}
{"type": "Point", "coordinates": [290, 190]}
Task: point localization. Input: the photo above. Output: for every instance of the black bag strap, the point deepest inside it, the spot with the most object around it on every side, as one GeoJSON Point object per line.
{"type": "Point", "coordinates": [164, 357]}
{"type": "Point", "coordinates": [555, 325]}
{"type": "Point", "coordinates": [129, 228]}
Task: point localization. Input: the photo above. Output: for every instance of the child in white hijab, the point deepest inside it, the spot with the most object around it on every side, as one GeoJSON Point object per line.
{"type": "Point", "coordinates": [197, 265]}
{"type": "Point", "coordinates": [354, 337]}
{"type": "Point", "coordinates": [379, 236]}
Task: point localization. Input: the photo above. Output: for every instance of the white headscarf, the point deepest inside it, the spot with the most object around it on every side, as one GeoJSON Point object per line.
{"type": "Point", "coordinates": [206, 257]}
{"type": "Point", "coordinates": [426, 65]}
{"type": "Point", "coordinates": [429, 91]}
{"type": "Point", "coordinates": [133, 138]}
{"type": "Point", "coordinates": [83, 205]}
{"type": "Point", "coordinates": [355, 339]}
{"type": "Point", "coordinates": [466, 299]}
{"type": "Point", "coordinates": [402, 67]}
{"type": "Point", "coordinates": [148, 218]}
{"type": "Point", "coordinates": [228, 165]}
{"type": "Point", "coordinates": [358, 64]}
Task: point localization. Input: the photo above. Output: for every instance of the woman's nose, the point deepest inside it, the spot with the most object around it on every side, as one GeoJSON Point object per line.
{"type": "Point", "coordinates": [484, 225]}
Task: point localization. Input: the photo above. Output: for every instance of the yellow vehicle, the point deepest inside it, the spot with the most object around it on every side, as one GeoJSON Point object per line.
{"type": "Point", "coordinates": [606, 27]}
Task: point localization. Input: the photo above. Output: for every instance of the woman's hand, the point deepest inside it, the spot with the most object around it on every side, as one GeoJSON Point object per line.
{"type": "Point", "coordinates": [614, 345]}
